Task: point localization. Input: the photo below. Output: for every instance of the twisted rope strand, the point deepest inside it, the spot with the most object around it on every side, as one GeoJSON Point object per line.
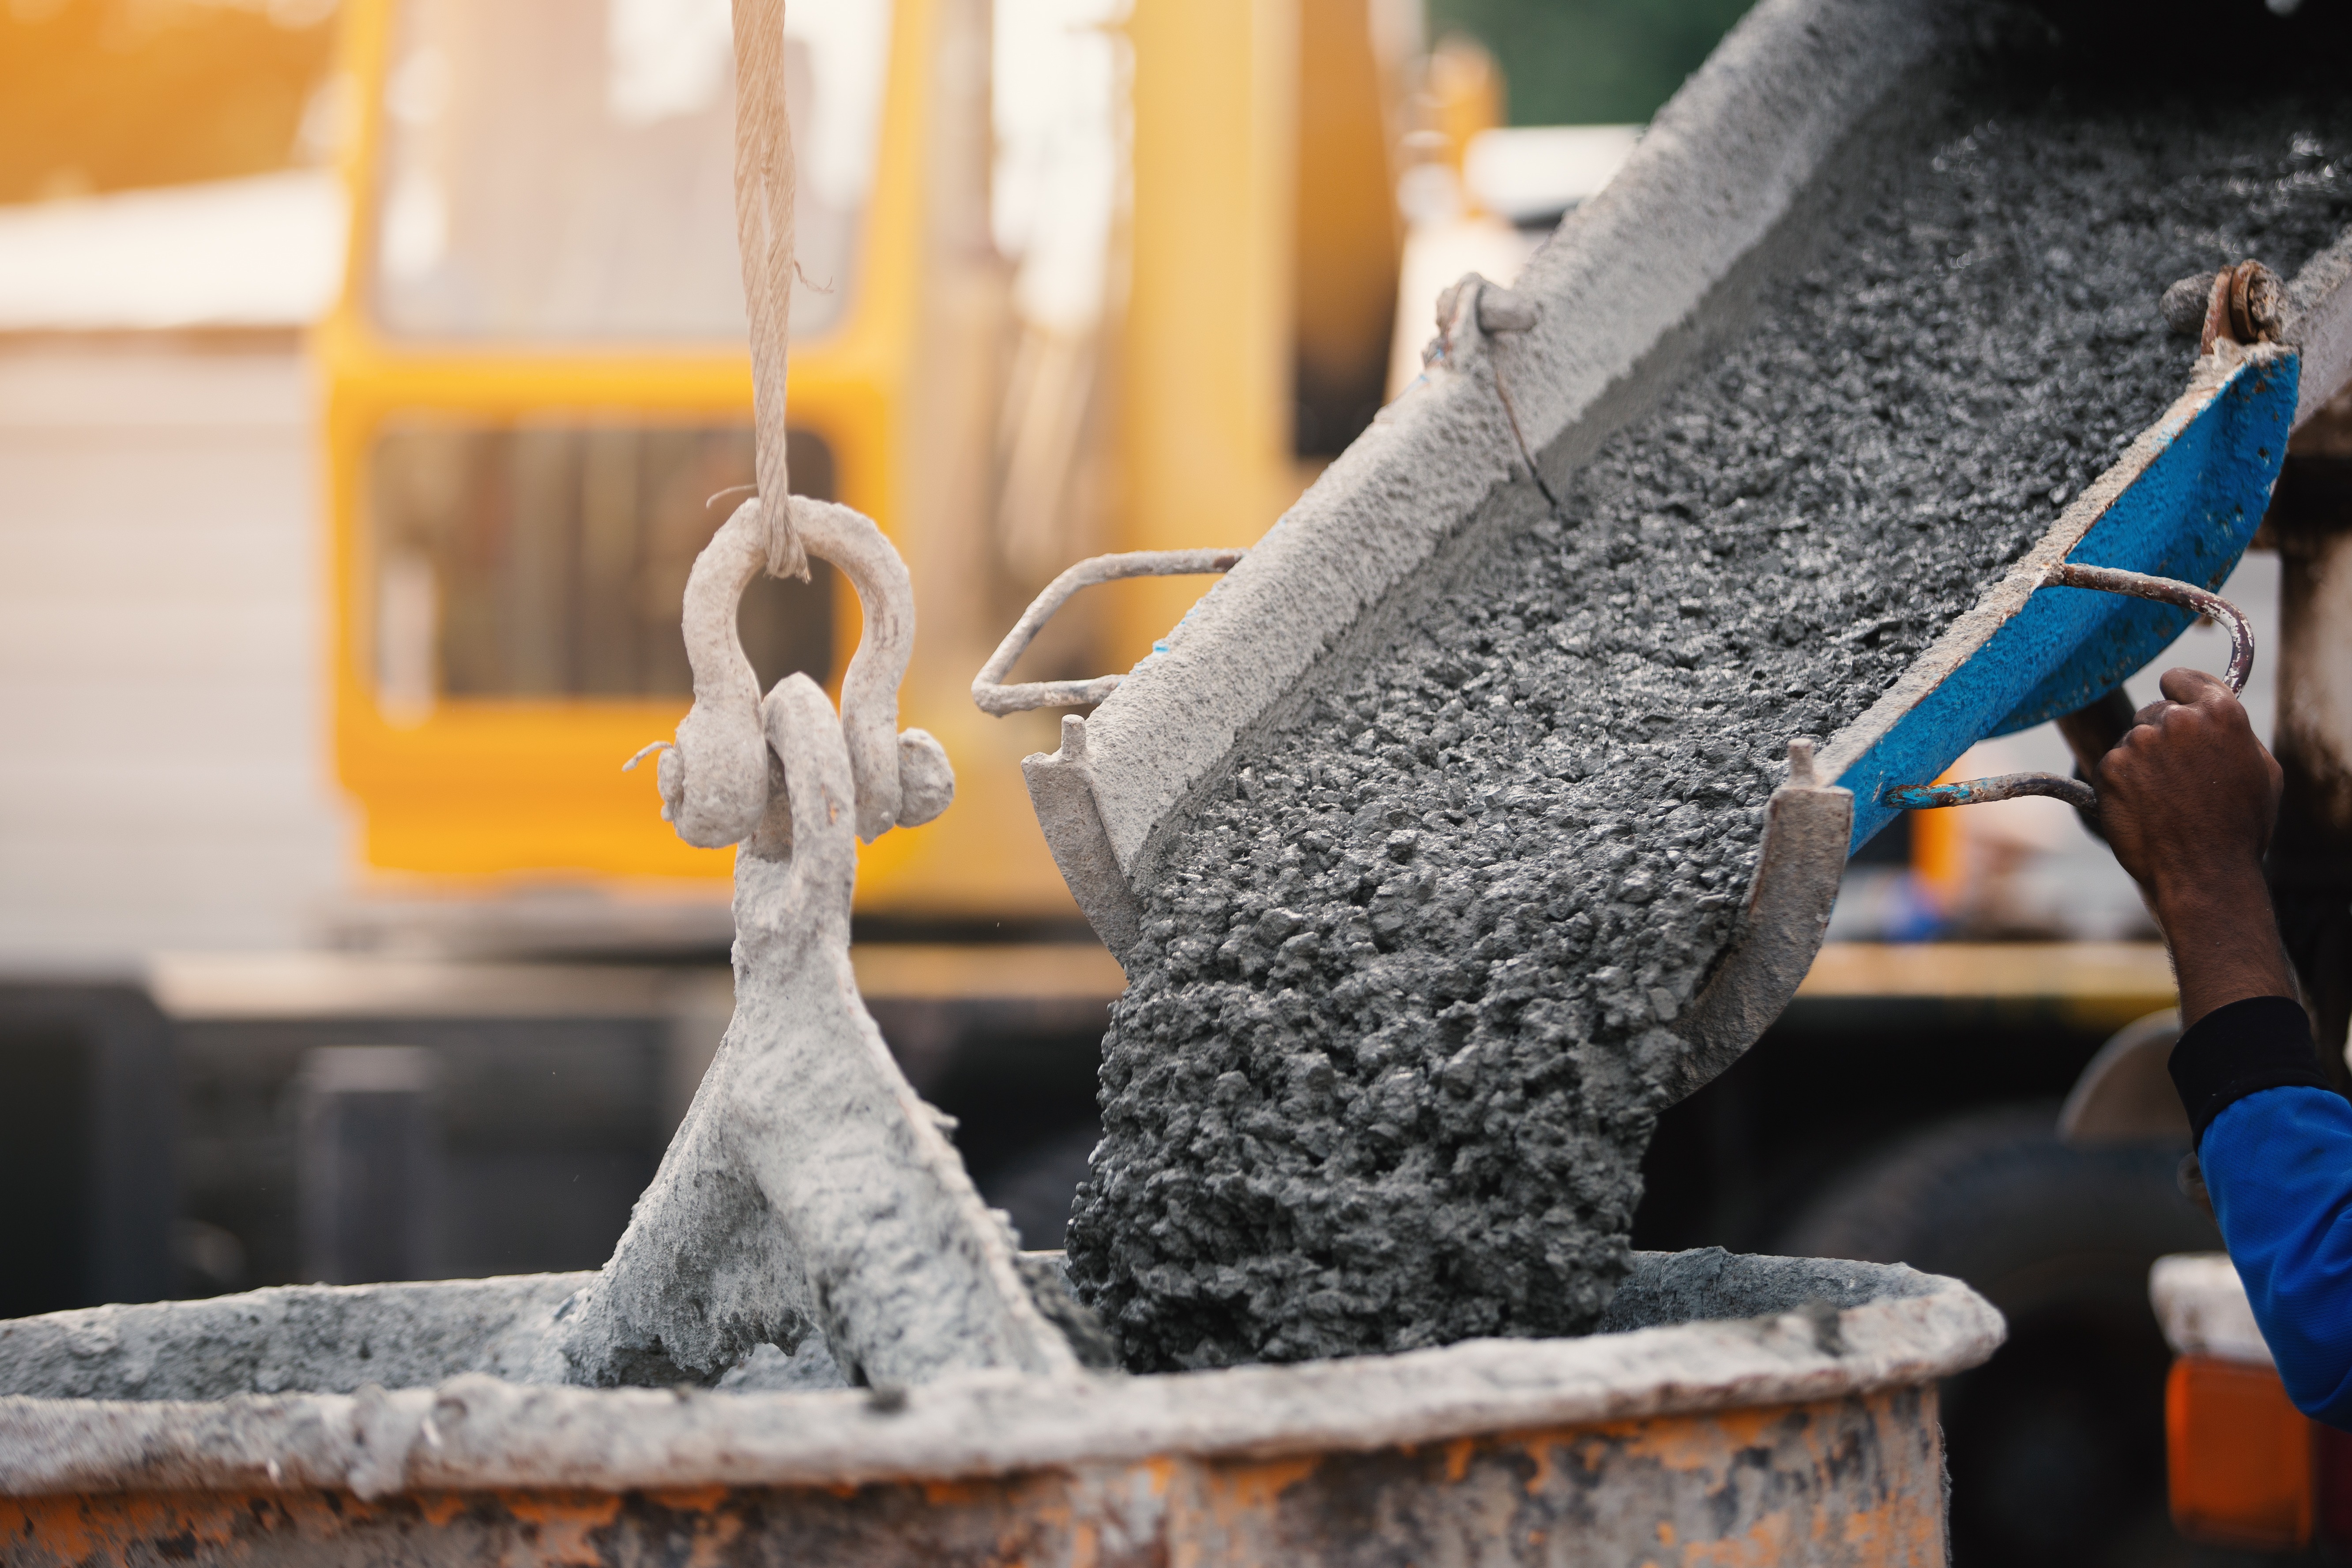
{"type": "Point", "coordinates": [764, 177]}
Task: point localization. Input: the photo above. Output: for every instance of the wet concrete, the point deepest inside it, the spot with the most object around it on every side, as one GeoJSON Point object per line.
{"type": "Point", "coordinates": [1395, 1035]}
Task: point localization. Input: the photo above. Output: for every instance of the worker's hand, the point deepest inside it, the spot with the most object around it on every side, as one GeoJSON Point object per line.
{"type": "Point", "coordinates": [2186, 799]}
{"type": "Point", "coordinates": [2188, 791]}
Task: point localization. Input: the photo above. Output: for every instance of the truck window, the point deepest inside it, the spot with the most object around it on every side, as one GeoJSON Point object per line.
{"type": "Point", "coordinates": [564, 169]}
{"type": "Point", "coordinates": [548, 559]}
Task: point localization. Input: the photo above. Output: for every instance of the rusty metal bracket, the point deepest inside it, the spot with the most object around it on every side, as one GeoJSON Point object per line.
{"type": "Point", "coordinates": [988, 688]}
{"type": "Point", "coordinates": [2075, 792]}
{"type": "Point", "coordinates": [2246, 303]}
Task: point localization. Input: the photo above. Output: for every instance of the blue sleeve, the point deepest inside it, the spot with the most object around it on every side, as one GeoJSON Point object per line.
{"type": "Point", "coordinates": [2278, 1164]}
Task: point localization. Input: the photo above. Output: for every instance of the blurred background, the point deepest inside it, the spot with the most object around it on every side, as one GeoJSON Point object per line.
{"type": "Point", "coordinates": [368, 375]}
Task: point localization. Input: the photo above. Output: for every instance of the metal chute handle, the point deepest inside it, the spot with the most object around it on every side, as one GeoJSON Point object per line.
{"type": "Point", "coordinates": [2075, 792]}
{"type": "Point", "coordinates": [988, 688]}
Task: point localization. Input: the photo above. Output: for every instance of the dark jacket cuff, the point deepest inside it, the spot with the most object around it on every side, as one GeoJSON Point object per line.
{"type": "Point", "coordinates": [2261, 1042]}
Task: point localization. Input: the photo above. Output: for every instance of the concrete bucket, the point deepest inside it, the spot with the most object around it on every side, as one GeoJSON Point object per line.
{"type": "Point", "coordinates": [1770, 1410]}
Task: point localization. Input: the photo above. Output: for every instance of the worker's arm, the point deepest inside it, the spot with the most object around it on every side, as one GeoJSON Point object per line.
{"type": "Point", "coordinates": [2187, 800]}
{"type": "Point", "coordinates": [2277, 1160]}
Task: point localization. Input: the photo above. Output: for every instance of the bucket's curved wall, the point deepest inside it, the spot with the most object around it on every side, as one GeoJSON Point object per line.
{"type": "Point", "coordinates": [1843, 1481]}
{"type": "Point", "coordinates": [1733, 1408]}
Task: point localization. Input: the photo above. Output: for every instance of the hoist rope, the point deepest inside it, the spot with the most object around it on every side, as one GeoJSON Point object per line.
{"type": "Point", "coordinates": [763, 227]}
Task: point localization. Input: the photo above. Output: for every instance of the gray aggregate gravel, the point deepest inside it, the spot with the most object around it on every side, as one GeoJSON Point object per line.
{"type": "Point", "coordinates": [1394, 1042]}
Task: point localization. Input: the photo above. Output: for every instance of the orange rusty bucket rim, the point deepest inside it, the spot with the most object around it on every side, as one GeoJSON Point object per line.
{"type": "Point", "coordinates": [474, 1430]}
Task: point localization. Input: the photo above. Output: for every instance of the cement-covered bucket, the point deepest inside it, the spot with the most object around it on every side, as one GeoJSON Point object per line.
{"type": "Point", "coordinates": [1735, 1408]}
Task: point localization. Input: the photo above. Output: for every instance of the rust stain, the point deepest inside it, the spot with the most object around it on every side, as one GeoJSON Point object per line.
{"type": "Point", "coordinates": [36, 1519]}
{"type": "Point", "coordinates": [1699, 1442]}
{"type": "Point", "coordinates": [567, 1521]}
{"type": "Point", "coordinates": [1220, 1513]}
{"type": "Point", "coordinates": [1162, 1471]}
{"type": "Point", "coordinates": [1748, 1427]}
{"type": "Point", "coordinates": [1542, 1453]}
{"type": "Point", "coordinates": [1032, 1510]}
{"type": "Point", "coordinates": [689, 1500]}
{"type": "Point", "coordinates": [1251, 1488]}
{"type": "Point", "coordinates": [1899, 1531]}
{"type": "Point", "coordinates": [58, 1524]}
{"type": "Point", "coordinates": [1457, 1458]}
{"type": "Point", "coordinates": [106, 1528]}
{"type": "Point", "coordinates": [1053, 1516]}
{"type": "Point", "coordinates": [1765, 1544]}
{"type": "Point", "coordinates": [120, 1527]}
{"type": "Point", "coordinates": [1666, 1533]}
{"type": "Point", "coordinates": [437, 1509]}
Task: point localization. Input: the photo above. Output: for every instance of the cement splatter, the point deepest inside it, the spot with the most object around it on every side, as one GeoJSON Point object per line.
{"type": "Point", "coordinates": [1394, 1040]}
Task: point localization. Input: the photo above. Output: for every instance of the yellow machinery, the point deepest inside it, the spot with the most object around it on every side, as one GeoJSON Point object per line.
{"type": "Point", "coordinates": [536, 382]}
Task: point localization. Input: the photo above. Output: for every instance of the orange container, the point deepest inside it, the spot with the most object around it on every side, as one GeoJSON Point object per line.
{"type": "Point", "coordinates": [2238, 1456]}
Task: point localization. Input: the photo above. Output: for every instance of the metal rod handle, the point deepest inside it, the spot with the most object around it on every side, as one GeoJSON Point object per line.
{"type": "Point", "coordinates": [2169, 591]}
{"type": "Point", "coordinates": [1982, 792]}
{"type": "Point", "coordinates": [988, 688]}
{"type": "Point", "coordinates": [2075, 792]}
